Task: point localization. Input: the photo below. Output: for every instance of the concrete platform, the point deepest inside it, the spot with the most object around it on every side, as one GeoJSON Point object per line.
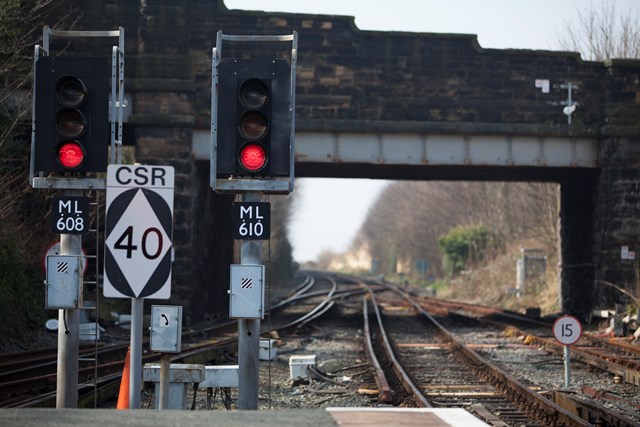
{"type": "Point", "coordinates": [369, 417]}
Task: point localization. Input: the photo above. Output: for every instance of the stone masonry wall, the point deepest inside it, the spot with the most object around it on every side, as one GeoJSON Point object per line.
{"type": "Point", "coordinates": [352, 80]}
{"type": "Point", "coordinates": [618, 220]}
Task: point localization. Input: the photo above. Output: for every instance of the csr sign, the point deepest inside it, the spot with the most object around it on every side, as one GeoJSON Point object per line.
{"type": "Point", "coordinates": [138, 231]}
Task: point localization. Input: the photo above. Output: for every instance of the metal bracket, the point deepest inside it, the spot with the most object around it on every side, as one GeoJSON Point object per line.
{"type": "Point", "coordinates": [569, 102]}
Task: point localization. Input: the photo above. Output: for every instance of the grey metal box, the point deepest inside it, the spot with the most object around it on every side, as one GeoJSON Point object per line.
{"type": "Point", "coordinates": [246, 296]}
{"type": "Point", "coordinates": [220, 376]}
{"type": "Point", "coordinates": [64, 282]}
{"type": "Point", "coordinates": [166, 328]}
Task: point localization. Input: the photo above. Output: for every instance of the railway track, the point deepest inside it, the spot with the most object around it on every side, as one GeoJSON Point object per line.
{"type": "Point", "coordinates": [23, 383]}
{"type": "Point", "coordinates": [440, 371]}
{"type": "Point", "coordinates": [613, 356]}
{"type": "Point", "coordinates": [452, 355]}
{"type": "Point", "coordinates": [431, 370]}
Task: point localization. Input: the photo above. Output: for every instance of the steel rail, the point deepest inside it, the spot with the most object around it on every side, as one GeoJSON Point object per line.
{"type": "Point", "coordinates": [625, 347]}
{"type": "Point", "coordinates": [48, 360]}
{"type": "Point", "coordinates": [319, 309]}
{"type": "Point", "coordinates": [593, 410]}
{"type": "Point", "coordinates": [330, 303]}
{"type": "Point", "coordinates": [16, 360]}
{"type": "Point", "coordinates": [193, 352]}
{"type": "Point", "coordinates": [605, 395]}
{"type": "Point", "coordinates": [481, 309]}
{"type": "Point", "coordinates": [43, 361]}
{"type": "Point", "coordinates": [407, 382]}
{"type": "Point", "coordinates": [385, 393]}
{"type": "Point", "coordinates": [301, 289]}
{"type": "Point", "coordinates": [628, 370]}
{"type": "Point", "coordinates": [553, 413]}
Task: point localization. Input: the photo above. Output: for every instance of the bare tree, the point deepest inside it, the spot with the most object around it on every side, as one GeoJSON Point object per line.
{"type": "Point", "coordinates": [407, 219]}
{"type": "Point", "coordinates": [22, 210]}
{"type": "Point", "coordinates": [279, 245]}
{"type": "Point", "coordinates": [20, 29]}
{"type": "Point", "coordinates": [599, 32]}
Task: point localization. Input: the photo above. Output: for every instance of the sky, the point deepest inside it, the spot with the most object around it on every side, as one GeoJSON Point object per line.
{"type": "Point", "coordinates": [329, 212]}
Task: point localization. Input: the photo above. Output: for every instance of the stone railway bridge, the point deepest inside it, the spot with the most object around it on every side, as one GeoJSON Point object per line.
{"type": "Point", "coordinates": [391, 105]}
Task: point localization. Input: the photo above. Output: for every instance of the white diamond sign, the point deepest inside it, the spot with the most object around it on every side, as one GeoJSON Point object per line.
{"type": "Point", "coordinates": [139, 228]}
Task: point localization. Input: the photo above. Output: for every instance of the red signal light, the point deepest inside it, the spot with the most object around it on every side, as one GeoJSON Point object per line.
{"type": "Point", "coordinates": [253, 157]}
{"type": "Point", "coordinates": [70, 155]}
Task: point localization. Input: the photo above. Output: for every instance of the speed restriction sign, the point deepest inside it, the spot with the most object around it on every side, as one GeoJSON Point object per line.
{"type": "Point", "coordinates": [567, 330]}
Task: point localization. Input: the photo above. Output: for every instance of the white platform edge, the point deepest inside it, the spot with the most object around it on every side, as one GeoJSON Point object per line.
{"type": "Point", "coordinates": [452, 416]}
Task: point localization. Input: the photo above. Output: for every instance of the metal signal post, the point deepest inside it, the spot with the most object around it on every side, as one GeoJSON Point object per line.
{"type": "Point", "coordinates": [68, 336]}
{"type": "Point", "coordinates": [252, 153]}
{"type": "Point", "coordinates": [69, 146]}
{"type": "Point", "coordinates": [249, 330]}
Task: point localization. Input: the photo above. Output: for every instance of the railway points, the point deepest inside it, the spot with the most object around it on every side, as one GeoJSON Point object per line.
{"type": "Point", "coordinates": [323, 317]}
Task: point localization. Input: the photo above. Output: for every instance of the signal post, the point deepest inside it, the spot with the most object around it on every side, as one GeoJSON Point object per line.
{"type": "Point", "coordinates": [252, 153]}
{"type": "Point", "coordinates": [70, 142]}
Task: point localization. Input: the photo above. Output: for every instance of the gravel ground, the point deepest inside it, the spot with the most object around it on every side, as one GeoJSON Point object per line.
{"type": "Point", "coordinates": [346, 381]}
{"type": "Point", "coordinates": [537, 366]}
{"type": "Point", "coordinates": [337, 343]}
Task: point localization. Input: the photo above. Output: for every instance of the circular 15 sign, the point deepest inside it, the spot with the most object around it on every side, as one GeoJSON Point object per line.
{"type": "Point", "coordinates": [138, 231]}
{"type": "Point", "coordinates": [567, 330]}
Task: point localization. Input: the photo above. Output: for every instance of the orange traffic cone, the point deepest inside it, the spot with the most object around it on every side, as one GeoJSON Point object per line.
{"type": "Point", "coordinates": [123, 395]}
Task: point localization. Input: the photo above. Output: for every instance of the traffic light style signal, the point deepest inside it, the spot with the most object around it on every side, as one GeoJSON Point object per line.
{"type": "Point", "coordinates": [71, 115]}
{"type": "Point", "coordinates": [254, 119]}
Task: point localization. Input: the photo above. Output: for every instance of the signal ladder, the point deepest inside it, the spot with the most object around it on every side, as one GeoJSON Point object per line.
{"type": "Point", "coordinates": [92, 240]}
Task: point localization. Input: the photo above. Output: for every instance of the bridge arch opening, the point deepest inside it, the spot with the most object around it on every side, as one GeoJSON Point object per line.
{"type": "Point", "coordinates": [568, 246]}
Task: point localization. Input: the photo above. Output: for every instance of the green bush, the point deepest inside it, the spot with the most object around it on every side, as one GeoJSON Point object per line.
{"type": "Point", "coordinates": [463, 244]}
